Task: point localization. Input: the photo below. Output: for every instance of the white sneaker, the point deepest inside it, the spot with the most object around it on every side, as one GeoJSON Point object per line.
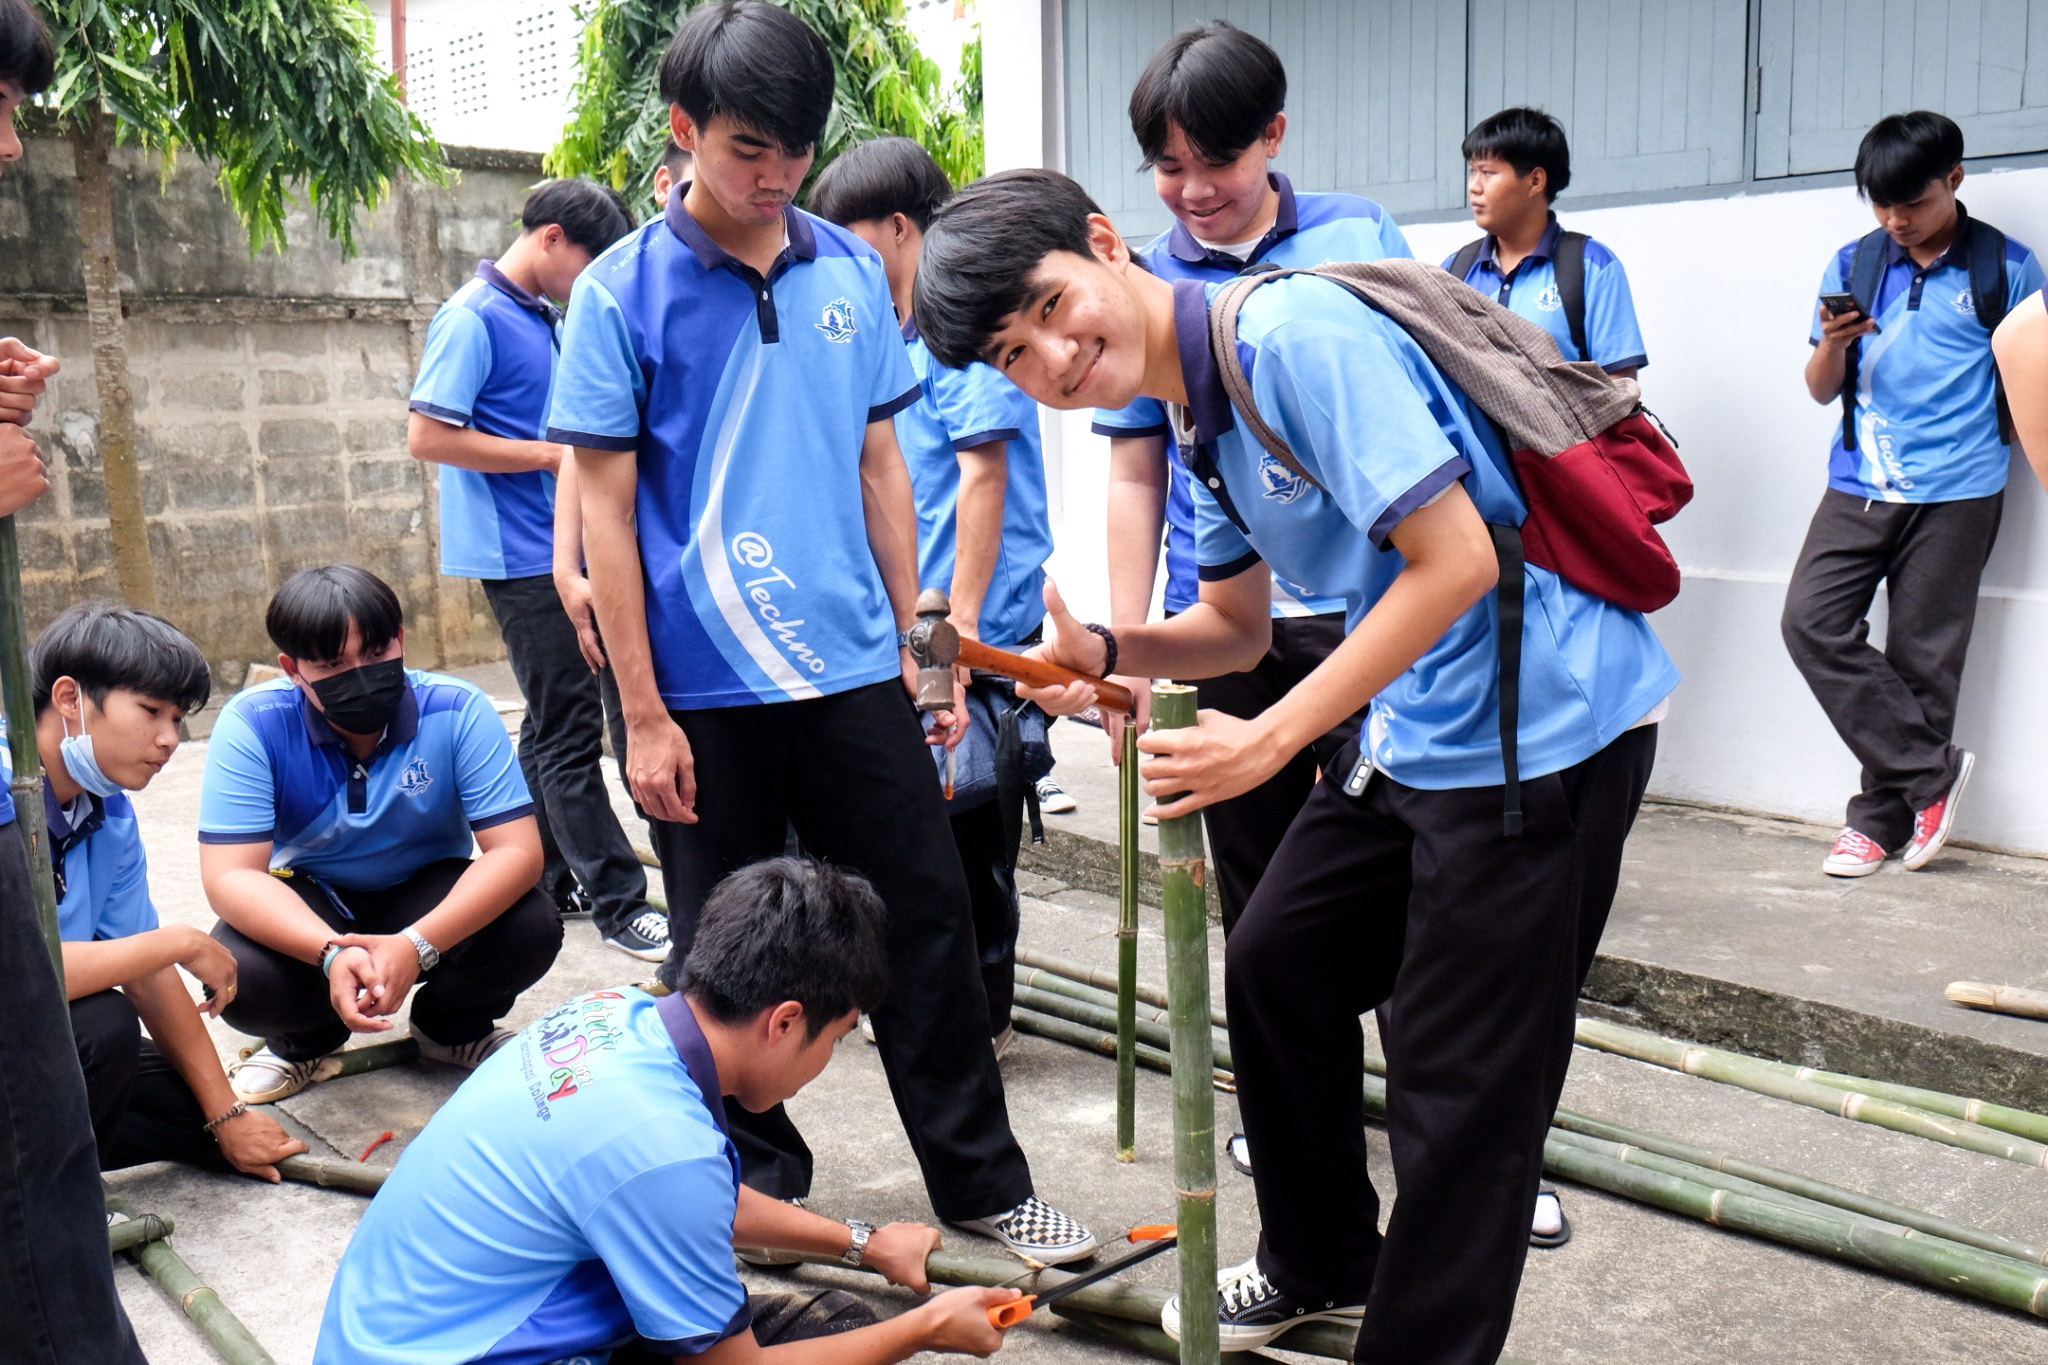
{"type": "Point", "coordinates": [263, 1077]}
{"type": "Point", "coordinates": [644, 936]}
{"type": "Point", "coordinates": [468, 1056]}
{"type": "Point", "coordinates": [1051, 799]}
{"type": "Point", "coordinates": [1036, 1231]}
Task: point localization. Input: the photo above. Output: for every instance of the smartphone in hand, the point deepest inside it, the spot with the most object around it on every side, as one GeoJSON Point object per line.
{"type": "Point", "coordinates": [1839, 304]}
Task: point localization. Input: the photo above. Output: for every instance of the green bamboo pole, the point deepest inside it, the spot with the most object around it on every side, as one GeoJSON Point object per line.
{"type": "Point", "coordinates": [1749, 1073]}
{"type": "Point", "coordinates": [1059, 1030]}
{"type": "Point", "coordinates": [371, 1057]}
{"type": "Point", "coordinates": [1101, 980]}
{"type": "Point", "coordinates": [2019, 1122]}
{"type": "Point", "coordinates": [199, 1302]}
{"type": "Point", "coordinates": [27, 785]}
{"type": "Point", "coordinates": [1075, 992]}
{"type": "Point", "coordinates": [1137, 1336]}
{"type": "Point", "coordinates": [2014, 1000]}
{"type": "Point", "coordinates": [1093, 1015]}
{"type": "Point", "coordinates": [133, 1232]}
{"type": "Point", "coordinates": [1127, 947]}
{"type": "Point", "coordinates": [359, 1176]}
{"type": "Point", "coordinates": [1181, 878]}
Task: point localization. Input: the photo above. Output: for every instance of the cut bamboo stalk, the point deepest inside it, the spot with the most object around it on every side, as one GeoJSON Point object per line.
{"type": "Point", "coordinates": [198, 1300]}
{"type": "Point", "coordinates": [354, 1061]}
{"type": "Point", "coordinates": [358, 1176]}
{"type": "Point", "coordinates": [1075, 993]}
{"type": "Point", "coordinates": [1182, 876]}
{"type": "Point", "coordinates": [1091, 1015]}
{"type": "Point", "coordinates": [1101, 980]}
{"type": "Point", "coordinates": [1750, 1073]}
{"type": "Point", "coordinates": [27, 785]}
{"type": "Point", "coordinates": [1127, 947]}
{"type": "Point", "coordinates": [1138, 1336]}
{"type": "Point", "coordinates": [133, 1232]}
{"type": "Point", "coordinates": [646, 856]}
{"type": "Point", "coordinates": [1980, 995]}
{"type": "Point", "coordinates": [1066, 1031]}
{"type": "Point", "coordinates": [2019, 1122]}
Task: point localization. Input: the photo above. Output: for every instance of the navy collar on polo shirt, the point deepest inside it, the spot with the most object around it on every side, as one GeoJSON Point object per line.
{"type": "Point", "coordinates": [1182, 245]}
{"type": "Point", "coordinates": [910, 332]}
{"type": "Point", "coordinates": [405, 724]}
{"type": "Point", "coordinates": [488, 272]}
{"type": "Point", "coordinates": [1546, 247]}
{"type": "Point", "coordinates": [65, 836]}
{"type": "Point", "coordinates": [802, 245]}
{"type": "Point", "coordinates": [695, 1050]}
{"type": "Point", "coordinates": [1208, 404]}
{"type": "Point", "coordinates": [1894, 253]}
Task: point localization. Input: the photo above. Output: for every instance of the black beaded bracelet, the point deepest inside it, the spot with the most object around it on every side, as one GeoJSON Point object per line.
{"type": "Point", "coordinates": [1108, 644]}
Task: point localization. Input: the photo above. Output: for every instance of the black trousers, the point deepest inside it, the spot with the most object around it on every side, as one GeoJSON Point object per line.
{"type": "Point", "coordinates": [780, 1318]}
{"type": "Point", "coordinates": [284, 1001]}
{"type": "Point", "coordinates": [851, 773]}
{"type": "Point", "coordinates": [142, 1110]}
{"type": "Point", "coordinates": [1895, 708]}
{"type": "Point", "coordinates": [1245, 830]}
{"type": "Point", "coordinates": [988, 858]}
{"type": "Point", "coordinates": [55, 1275]}
{"type": "Point", "coordinates": [1479, 942]}
{"type": "Point", "coordinates": [561, 751]}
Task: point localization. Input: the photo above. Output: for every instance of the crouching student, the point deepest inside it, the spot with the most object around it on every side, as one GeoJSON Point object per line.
{"type": "Point", "coordinates": [111, 686]}
{"type": "Point", "coordinates": [1396, 883]}
{"type": "Point", "coordinates": [580, 1194]}
{"type": "Point", "coordinates": [335, 828]}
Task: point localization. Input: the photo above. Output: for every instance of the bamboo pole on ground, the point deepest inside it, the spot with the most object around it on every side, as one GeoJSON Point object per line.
{"type": "Point", "coordinates": [1040, 979]}
{"type": "Point", "coordinates": [27, 785]}
{"type": "Point", "coordinates": [134, 1231]}
{"type": "Point", "coordinates": [2019, 1122]}
{"type": "Point", "coordinates": [198, 1300]}
{"type": "Point", "coordinates": [1127, 947]}
{"type": "Point", "coordinates": [359, 1176]}
{"type": "Point", "coordinates": [1181, 879]}
{"type": "Point", "coordinates": [1981, 995]}
{"type": "Point", "coordinates": [1058, 1030]}
{"type": "Point", "coordinates": [1086, 975]}
{"type": "Point", "coordinates": [1092, 1015]}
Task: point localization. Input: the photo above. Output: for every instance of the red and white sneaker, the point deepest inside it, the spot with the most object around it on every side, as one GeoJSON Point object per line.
{"type": "Point", "coordinates": [1931, 826]}
{"type": "Point", "coordinates": [1854, 855]}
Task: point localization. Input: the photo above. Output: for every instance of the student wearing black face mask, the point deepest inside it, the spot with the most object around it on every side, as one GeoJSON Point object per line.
{"type": "Point", "coordinates": [335, 830]}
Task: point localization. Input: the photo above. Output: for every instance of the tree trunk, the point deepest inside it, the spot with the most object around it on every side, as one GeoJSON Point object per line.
{"type": "Point", "coordinates": [92, 146]}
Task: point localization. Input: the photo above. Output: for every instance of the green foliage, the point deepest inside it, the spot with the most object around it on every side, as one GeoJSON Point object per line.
{"type": "Point", "coordinates": [885, 86]}
{"type": "Point", "coordinates": [281, 94]}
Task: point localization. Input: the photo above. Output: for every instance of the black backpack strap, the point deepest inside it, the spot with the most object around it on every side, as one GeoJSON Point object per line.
{"type": "Point", "coordinates": [1988, 286]}
{"type": "Point", "coordinates": [1569, 264]}
{"type": "Point", "coordinates": [1507, 549]}
{"type": "Point", "coordinates": [1866, 267]}
{"type": "Point", "coordinates": [1467, 257]}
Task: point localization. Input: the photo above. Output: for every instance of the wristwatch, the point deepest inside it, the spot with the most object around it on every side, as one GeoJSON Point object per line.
{"type": "Point", "coordinates": [428, 953]}
{"type": "Point", "coordinates": [859, 1246]}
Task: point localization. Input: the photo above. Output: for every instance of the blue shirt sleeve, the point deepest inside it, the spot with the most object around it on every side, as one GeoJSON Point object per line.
{"type": "Point", "coordinates": [2022, 279]}
{"type": "Point", "coordinates": [675, 1272]}
{"type": "Point", "coordinates": [454, 366]}
{"type": "Point", "coordinates": [894, 385]}
{"type": "Point", "coordinates": [1611, 331]}
{"type": "Point", "coordinates": [1144, 417]}
{"type": "Point", "coordinates": [1833, 280]}
{"type": "Point", "coordinates": [1221, 551]}
{"type": "Point", "coordinates": [487, 767]}
{"type": "Point", "coordinates": [238, 794]}
{"type": "Point", "coordinates": [599, 390]}
{"type": "Point", "coordinates": [127, 908]}
{"type": "Point", "coordinates": [978, 405]}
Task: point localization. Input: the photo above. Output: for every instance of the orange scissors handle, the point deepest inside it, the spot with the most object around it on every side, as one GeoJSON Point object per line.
{"type": "Point", "coordinates": [1008, 1315]}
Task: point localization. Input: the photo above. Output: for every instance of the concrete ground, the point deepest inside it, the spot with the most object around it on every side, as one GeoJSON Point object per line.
{"type": "Point", "coordinates": [1710, 903]}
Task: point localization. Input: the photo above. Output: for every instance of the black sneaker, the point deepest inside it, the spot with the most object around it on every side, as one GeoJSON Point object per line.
{"type": "Point", "coordinates": [1250, 1311]}
{"type": "Point", "coordinates": [576, 905]}
{"type": "Point", "coordinates": [644, 936]}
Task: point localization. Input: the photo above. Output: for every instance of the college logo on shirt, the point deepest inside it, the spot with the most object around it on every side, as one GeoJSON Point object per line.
{"type": "Point", "coordinates": [837, 324]}
{"type": "Point", "coordinates": [1277, 482]}
{"type": "Point", "coordinates": [1966, 302]}
{"type": "Point", "coordinates": [1550, 300]}
{"type": "Point", "coordinates": [415, 779]}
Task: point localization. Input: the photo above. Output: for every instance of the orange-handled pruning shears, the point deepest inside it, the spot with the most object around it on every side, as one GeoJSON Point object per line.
{"type": "Point", "coordinates": [1162, 1237]}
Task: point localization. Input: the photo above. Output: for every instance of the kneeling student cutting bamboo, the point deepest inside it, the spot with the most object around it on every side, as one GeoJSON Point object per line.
{"type": "Point", "coordinates": [579, 1196]}
{"type": "Point", "coordinates": [1399, 881]}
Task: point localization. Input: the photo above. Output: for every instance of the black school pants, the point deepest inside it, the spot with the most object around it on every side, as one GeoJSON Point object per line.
{"type": "Point", "coordinates": [1895, 708]}
{"type": "Point", "coordinates": [1479, 942]}
{"type": "Point", "coordinates": [1245, 830]}
{"type": "Point", "coordinates": [56, 1278]}
{"type": "Point", "coordinates": [851, 773]}
{"type": "Point", "coordinates": [284, 1001]}
{"type": "Point", "coordinates": [142, 1110]}
{"type": "Point", "coordinates": [561, 752]}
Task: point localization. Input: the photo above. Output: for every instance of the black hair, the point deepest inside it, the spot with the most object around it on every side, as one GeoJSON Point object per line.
{"type": "Point", "coordinates": [756, 64]}
{"type": "Point", "coordinates": [787, 929]}
{"type": "Point", "coordinates": [591, 215]}
{"type": "Point", "coordinates": [676, 159]}
{"type": "Point", "coordinates": [981, 249]}
{"type": "Point", "coordinates": [1221, 85]}
{"type": "Point", "coordinates": [27, 56]}
{"type": "Point", "coordinates": [1902, 152]}
{"type": "Point", "coordinates": [878, 178]}
{"type": "Point", "coordinates": [1525, 139]}
{"type": "Point", "coordinates": [309, 617]}
{"type": "Point", "coordinates": [106, 646]}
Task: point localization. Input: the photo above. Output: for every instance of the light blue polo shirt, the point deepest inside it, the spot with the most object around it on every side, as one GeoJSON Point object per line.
{"type": "Point", "coordinates": [957, 410]}
{"type": "Point", "coordinates": [1530, 290]}
{"type": "Point", "coordinates": [1384, 433]}
{"type": "Point", "coordinates": [1926, 406]}
{"type": "Point", "coordinates": [747, 401]}
{"type": "Point", "coordinates": [489, 363]}
{"type": "Point", "coordinates": [1310, 230]}
{"type": "Point", "coordinates": [575, 1193]}
{"type": "Point", "coordinates": [101, 869]}
{"type": "Point", "coordinates": [277, 773]}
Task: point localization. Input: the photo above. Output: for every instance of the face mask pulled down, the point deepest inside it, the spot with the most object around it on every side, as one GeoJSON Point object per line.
{"type": "Point", "coordinates": [362, 700]}
{"type": "Point", "coordinates": [81, 762]}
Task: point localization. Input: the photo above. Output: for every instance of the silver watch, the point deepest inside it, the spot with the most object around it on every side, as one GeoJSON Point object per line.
{"type": "Point", "coordinates": [859, 1246]}
{"type": "Point", "coordinates": [429, 955]}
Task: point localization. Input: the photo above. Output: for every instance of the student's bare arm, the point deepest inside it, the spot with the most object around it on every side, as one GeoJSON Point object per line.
{"type": "Point", "coordinates": [572, 585]}
{"type": "Point", "coordinates": [431, 439]}
{"type": "Point", "coordinates": [90, 968]}
{"type": "Point", "coordinates": [954, 1323]}
{"type": "Point", "coordinates": [1828, 366]}
{"type": "Point", "coordinates": [897, 1250]}
{"type": "Point", "coordinates": [978, 530]}
{"type": "Point", "coordinates": [2021, 345]}
{"type": "Point", "coordinates": [1138, 478]}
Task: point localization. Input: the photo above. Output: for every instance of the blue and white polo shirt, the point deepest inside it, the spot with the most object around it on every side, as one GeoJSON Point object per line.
{"type": "Point", "coordinates": [277, 773]}
{"type": "Point", "coordinates": [747, 401]}
{"type": "Point", "coordinates": [97, 857]}
{"type": "Point", "coordinates": [957, 410]}
{"type": "Point", "coordinates": [1926, 410]}
{"type": "Point", "coordinates": [489, 363]}
{"type": "Point", "coordinates": [1530, 290]}
{"type": "Point", "coordinates": [576, 1193]}
{"type": "Point", "coordinates": [1384, 433]}
{"type": "Point", "coordinates": [1310, 230]}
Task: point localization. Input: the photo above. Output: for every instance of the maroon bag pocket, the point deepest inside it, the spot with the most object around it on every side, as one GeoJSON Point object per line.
{"type": "Point", "coordinates": [1593, 510]}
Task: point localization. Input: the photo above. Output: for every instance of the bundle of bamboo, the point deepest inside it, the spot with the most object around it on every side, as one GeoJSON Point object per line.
{"type": "Point", "coordinates": [196, 1298]}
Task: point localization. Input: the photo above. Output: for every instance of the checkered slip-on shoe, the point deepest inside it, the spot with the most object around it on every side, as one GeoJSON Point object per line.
{"type": "Point", "coordinates": [1038, 1232]}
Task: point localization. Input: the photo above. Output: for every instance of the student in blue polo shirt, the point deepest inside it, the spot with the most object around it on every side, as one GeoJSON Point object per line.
{"type": "Point", "coordinates": [1916, 488]}
{"type": "Point", "coordinates": [579, 1197]}
{"type": "Point", "coordinates": [730, 375]}
{"type": "Point", "coordinates": [478, 410]}
{"type": "Point", "coordinates": [1397, 882]}
{"type": "Point", "coordinates": [336, 821]}
{"type": "Point", "coordinates": [111, 688]}
{"type": "Point", "coordinates": [971, 441]}
{"type": "Point", "coordinates": [1518, 162]}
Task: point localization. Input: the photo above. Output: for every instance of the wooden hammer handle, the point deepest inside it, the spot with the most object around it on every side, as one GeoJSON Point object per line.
{"type": "Point", "coordinates": [1039, 673]}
